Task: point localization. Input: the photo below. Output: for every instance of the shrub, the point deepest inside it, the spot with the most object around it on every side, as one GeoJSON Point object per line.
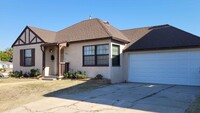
{"type": "Point", "coordinates": [27, 74]}
{"type": "Point", "coordinates": [69, 74]}
{"type": "Point", "coordinates": [16, 74]}
{"type": "Point", "coordinates": [2, 69]}
{"type": "Point", "coordinates": [34, 72]}
{"type": "Point", "coordinates": [80, 76]}
{"type": "Point", "coordinates": [99, 76]}
{"type": "Point", "coordinates": [75, 75]}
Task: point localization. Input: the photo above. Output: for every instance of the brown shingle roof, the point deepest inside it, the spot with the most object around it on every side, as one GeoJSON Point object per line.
{"type": "Point", "coordinates": [89, 29]}
{"type": "Point", "coordinates": [159, 37]}
{"type": "Point", "coordinates": [85, 30]}
{"type": "Point", "coordinates": [46, 35]}
{"type": "Point", "coordinates": [146, 38]}
{"type": "Point", "coordinates": [113, 32]}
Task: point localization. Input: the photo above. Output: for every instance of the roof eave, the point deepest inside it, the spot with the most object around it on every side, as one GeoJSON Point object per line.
{"type": "Point", "coordinates": [50, 44]}
{"type": "Point", "coordinates": [162, 48]}
{"type": "Point", "coordinates": [121, 40]}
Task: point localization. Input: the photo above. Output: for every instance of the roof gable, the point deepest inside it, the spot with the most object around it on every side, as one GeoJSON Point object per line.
{"type": "Point", "coordinates": [27, 36]}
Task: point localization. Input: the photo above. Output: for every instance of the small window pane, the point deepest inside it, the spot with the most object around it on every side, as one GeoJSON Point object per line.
{"type": "Point", "coordinates": [89, 60]}
{"type": "Point", "coordinates": [28, 61]}
{"type": "Point", "coordinates": [28, 53]}
{"type": "Point", "coordinates": [116, 60]}
{"type": "Point", "coordinates": [115, 50]}
{"type": "Point", "coordinates": [103, 60]}
{"type": "Point", "coordinates": [89, 50]}
{"type": "Point", "coordinates": [102, 49]}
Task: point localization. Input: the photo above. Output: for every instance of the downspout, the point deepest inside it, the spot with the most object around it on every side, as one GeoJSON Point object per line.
{"type": "Point", "coordinates": [58, 61]}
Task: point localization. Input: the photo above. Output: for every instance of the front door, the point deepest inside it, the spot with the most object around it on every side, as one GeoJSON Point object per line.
{"type": "Point", "coordinates": [51, 61]}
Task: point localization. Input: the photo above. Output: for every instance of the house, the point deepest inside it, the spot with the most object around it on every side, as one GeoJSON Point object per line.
{"type": "Point", "coordinates": [157, 54]}
{"type": "Point", "coordinates": [6, 65]}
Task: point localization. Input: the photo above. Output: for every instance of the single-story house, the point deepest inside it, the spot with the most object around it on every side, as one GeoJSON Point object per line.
{"type": "Point", "coordinates": [6, 65]}
{"type": "Point", "coordinates": [156, 54]}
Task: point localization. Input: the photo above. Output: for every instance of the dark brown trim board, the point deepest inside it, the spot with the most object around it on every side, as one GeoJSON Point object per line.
{"type": "Point", "coordinates": [36, 34]}
{"type": "Point", "coordinates": [27, 43]}
{"type": "Point", "coordinates": [19, 36]}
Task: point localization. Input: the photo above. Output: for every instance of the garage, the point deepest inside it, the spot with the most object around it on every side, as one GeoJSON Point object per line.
{"type": "Point", "coordinates": [180, 67]}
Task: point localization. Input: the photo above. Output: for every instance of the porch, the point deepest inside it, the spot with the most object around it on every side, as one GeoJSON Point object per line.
{"type": "Point", "coordinates": [54, 65]}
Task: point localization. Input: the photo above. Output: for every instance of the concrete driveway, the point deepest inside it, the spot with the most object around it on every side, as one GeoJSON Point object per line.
{"type": "Point", "coordinates": [122, 98]}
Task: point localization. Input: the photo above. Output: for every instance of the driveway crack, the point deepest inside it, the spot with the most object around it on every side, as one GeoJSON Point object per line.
{"type": "Point", "coordinates": [152, 94]}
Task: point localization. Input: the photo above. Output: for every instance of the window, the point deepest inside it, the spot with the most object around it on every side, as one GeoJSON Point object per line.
{"type": "Point", "coordinates": [96, 55]}
{"type": "Point", "coordinates": [102, 54]}
{"type": "Point", "coordinates": [27, 57]}
{"type": "Point", "coordinates": [115, 55]}
{"type": "Point", "coordinates": [89, 55]}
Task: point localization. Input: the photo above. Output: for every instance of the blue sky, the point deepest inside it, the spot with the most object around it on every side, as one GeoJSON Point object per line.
{"type": "Point", "coordinates": [123, 14]}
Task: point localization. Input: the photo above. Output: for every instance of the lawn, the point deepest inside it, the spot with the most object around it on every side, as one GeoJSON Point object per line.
{"type": "Point", "coordinates": [14, 80]}
{"type": "Point", "coordinates": [22, 92]}
{"type": "Point", "coordinates": [195, 107]}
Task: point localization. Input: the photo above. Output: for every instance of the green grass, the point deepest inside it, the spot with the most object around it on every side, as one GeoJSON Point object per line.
{"type": "Point", "coordinates": [14, 95]}
{"type": "Point", "coordinates": [195, 107]}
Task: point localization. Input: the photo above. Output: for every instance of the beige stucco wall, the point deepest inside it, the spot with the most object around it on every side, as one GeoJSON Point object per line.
{"type": "Point", "coordinates": [117, 74]}
{"type": "Point", "coordinates": [125, 65]}
{"type": "Point", "coordinates": [16, 58]}
{"type": "Point", "coordinates": [73, 55]}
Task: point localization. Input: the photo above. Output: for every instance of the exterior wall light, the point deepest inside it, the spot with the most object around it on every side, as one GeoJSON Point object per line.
{"type": "Point", "coordinates": [50, 50]}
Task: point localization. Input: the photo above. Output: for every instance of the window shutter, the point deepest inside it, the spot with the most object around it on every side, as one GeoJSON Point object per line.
{"type": "Point", "coordinates": [33, 57]}
{"type": "Point", "coordinates": [21, 57]}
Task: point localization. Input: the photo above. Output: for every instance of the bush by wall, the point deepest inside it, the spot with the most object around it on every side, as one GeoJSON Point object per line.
{"type": "Point", "coordinates": [19, 74]}
{"type": "Point", "coordinates": [71, 74]}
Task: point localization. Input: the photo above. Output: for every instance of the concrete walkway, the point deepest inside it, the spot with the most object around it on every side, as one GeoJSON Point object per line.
{"type": "Point", "coordinates": [119, 98]}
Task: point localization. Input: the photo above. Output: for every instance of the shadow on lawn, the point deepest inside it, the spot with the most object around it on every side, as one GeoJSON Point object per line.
{"type": "Point", "coordinates": [86, 86]}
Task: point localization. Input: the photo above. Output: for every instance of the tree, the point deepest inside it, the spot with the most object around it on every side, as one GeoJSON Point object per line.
{"type": "Point", "coordinates": [6, 55]}
{"type": "Point", "coordinates": [9, 52]}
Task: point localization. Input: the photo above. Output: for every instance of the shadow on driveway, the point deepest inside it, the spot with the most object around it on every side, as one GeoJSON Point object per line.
{"type": "Point", "coordinates": [134, 96]}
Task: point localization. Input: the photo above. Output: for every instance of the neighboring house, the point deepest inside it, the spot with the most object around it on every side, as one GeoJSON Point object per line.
{"type": "Point", "coordinates": [157, 54]}
{"type": "Point", "coordinates": [6, 65]}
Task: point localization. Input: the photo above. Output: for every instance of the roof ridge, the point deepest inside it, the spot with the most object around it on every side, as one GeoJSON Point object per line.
{"type": "Point", "coordinates": [77, 23]}
{"type": "Point", "coordinates": [196, 36]}
{"type": "Point", "coordinates": [102, 25]}
{"type": "Point", "coordinates": [145, 27]}
{"type": "Point", "coordinates": [40, 29]}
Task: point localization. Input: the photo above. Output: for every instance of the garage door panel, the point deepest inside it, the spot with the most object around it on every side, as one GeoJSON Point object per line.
{"type": "Point", "coordinates": [179, 67]}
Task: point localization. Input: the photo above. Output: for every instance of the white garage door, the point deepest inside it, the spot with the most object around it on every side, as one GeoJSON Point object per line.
{"type": "Point", "coordinates": [170, 67]}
